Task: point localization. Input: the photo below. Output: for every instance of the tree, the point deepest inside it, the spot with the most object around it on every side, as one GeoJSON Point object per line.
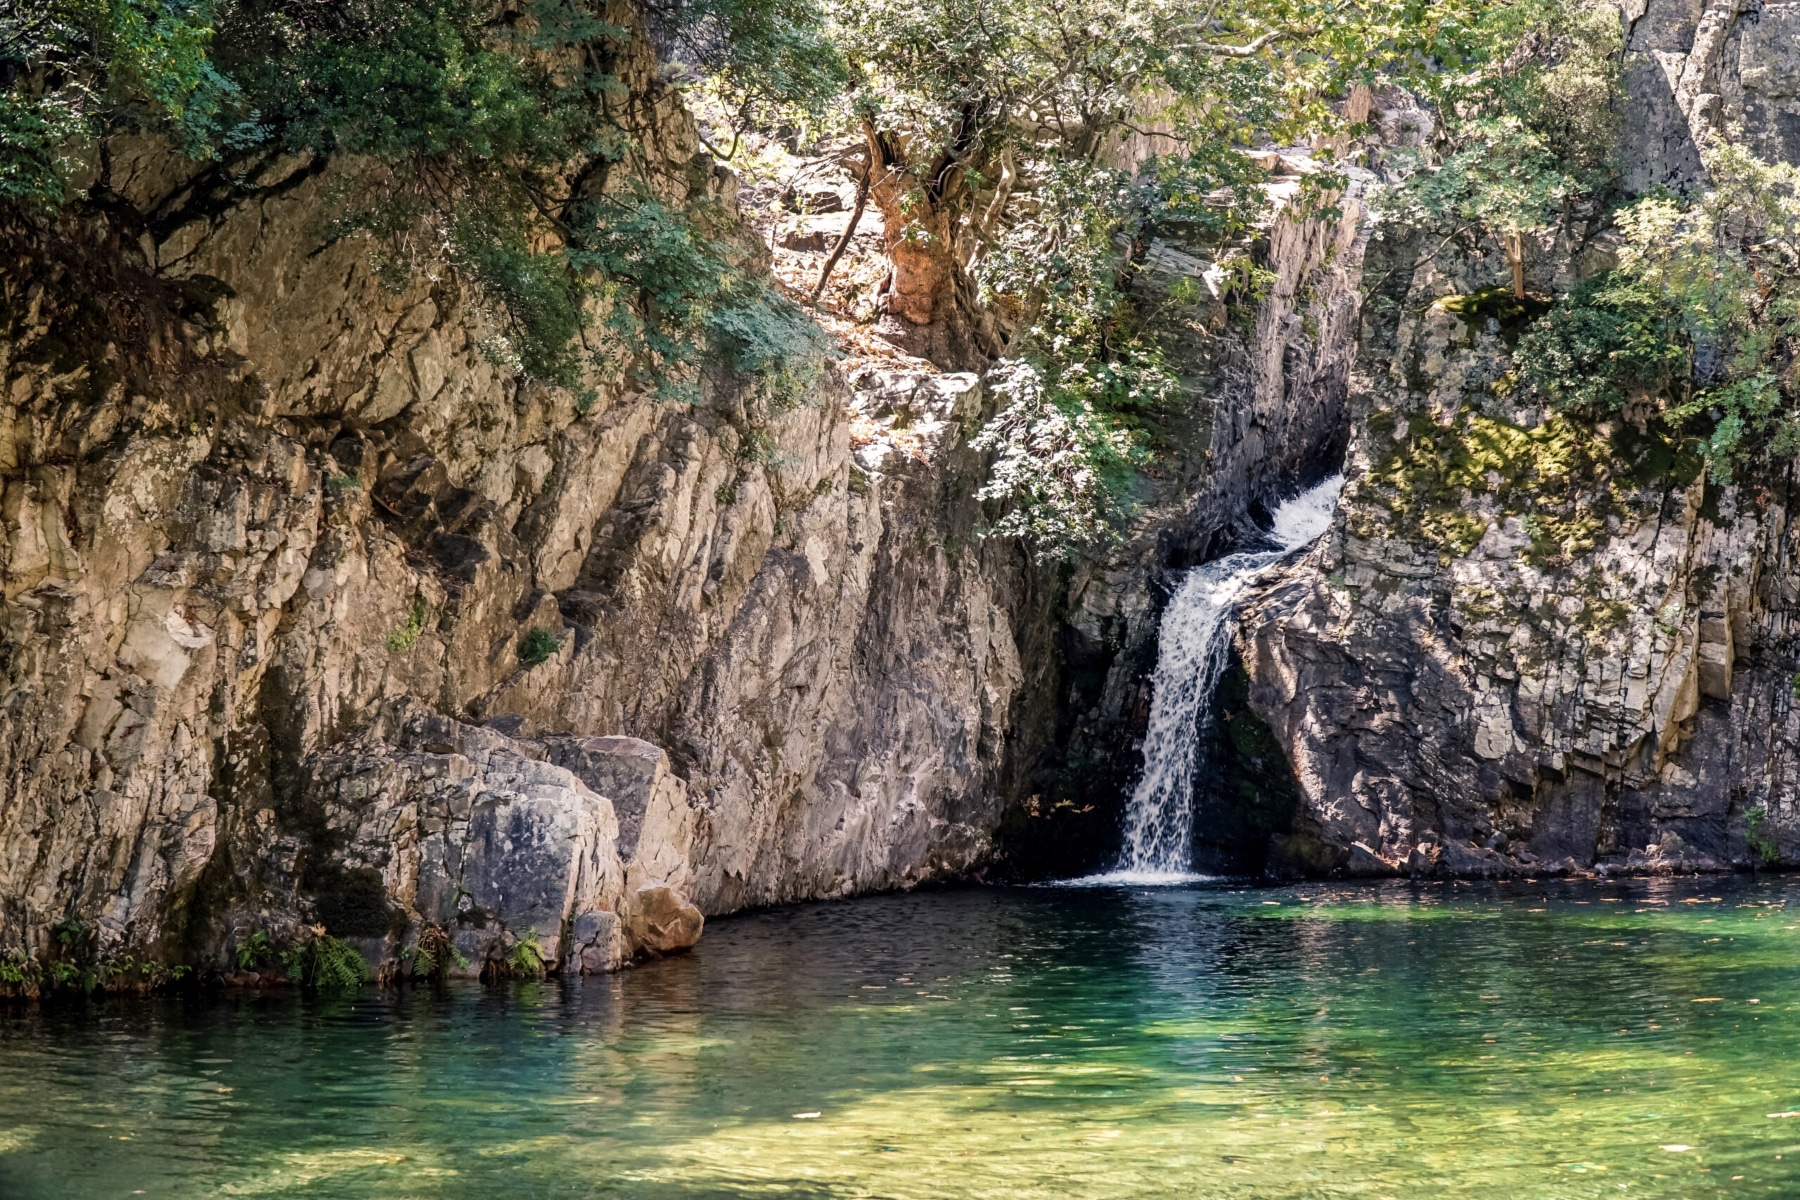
{"type": "Point", "coordinates": [965, 104]}
{"type": "Point", "coordinates": [1699, 324]}
{"type": "Point", "coordinates": [1520, 136]}
{"type": "Point", "coordinates": [491, 131]}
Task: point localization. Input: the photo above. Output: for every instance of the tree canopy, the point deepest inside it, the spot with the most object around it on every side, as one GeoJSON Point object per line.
{"type": "Point", "coordinates": [1022, 154]}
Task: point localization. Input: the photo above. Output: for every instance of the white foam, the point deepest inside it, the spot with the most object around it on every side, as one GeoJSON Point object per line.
{"type": "Point", "coordinates": [1308, 515]}
{"type": "Point", "coordinates": [1139, 879]}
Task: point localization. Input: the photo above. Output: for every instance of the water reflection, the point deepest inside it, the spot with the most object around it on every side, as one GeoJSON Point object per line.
{"type": "Point", "coordinates": [1456, 1040]}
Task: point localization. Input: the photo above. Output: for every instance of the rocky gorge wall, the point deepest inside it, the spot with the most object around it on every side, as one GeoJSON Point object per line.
{"type": "Point", "coordinates": [1527, 647]}
{"type": "Point", "coordinates": [316, 616]}
{"type": "Point", "coordinates": [312, 613]}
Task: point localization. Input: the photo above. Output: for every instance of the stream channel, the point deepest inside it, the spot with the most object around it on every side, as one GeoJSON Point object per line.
{"type": "Point", "coordinates": [1504, 1041]}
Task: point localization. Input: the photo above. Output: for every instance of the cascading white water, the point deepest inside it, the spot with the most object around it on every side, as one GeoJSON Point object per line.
{"type": "Point", "coordinates": [1196, 629]}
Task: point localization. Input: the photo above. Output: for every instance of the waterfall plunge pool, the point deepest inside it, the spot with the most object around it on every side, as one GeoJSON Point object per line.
{"type": "Point", "coordinates": [1503, 1041]}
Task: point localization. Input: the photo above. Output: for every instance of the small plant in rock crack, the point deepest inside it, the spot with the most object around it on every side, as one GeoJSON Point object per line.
{"type": "Point", "coordinates": [402, 638]}
{"type": "Point", "coordinates": [435, 954]}
{"type": "Point", "coordinates": [20, 970]}
{"type": "Point", "coordinates": [525, 960]}
{"type": "Point", "coordinates": [254, 951]}
{"type": "Point", "coordinates": [326, 963]}
{"type": "Point", "coordinates": [1763, 849]}
{"type": "Point", "coordinates": [538, 645]}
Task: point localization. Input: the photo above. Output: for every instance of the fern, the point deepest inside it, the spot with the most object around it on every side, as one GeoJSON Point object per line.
{"type": "Point", "coordinates": [326, 964]}
{"type": "Point", "coordinates": [433, 957]}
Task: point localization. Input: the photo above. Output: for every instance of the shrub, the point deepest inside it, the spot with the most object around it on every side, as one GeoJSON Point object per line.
{"type": "Point", "coordinates": [1700, 320]}
{"type": "Point", "coordinates": [1061, 466]}
{"type": "Point", "coordinates": [1610, 341]}
{"type": "Point", "coordinates": [538, 645]}
{"type": "Point", "coordinates": [472, 120]}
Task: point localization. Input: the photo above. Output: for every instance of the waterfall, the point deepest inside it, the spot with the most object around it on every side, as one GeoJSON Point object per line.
{"type": "Point", "coordinates": [1195, 633]}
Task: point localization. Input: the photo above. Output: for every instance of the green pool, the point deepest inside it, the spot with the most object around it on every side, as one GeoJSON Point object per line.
{"type": "Point", "coordinates": [1504, 1041]}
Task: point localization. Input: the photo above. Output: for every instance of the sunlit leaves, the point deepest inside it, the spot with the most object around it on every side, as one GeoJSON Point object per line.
{"type": "Point", "coordinates": [1701, 319]}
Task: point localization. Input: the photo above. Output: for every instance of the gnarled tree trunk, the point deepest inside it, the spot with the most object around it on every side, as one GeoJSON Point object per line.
{"type": "Point", "coordinates": [931, 303]}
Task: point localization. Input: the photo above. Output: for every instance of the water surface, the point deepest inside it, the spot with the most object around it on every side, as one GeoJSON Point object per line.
{"type": "Point", "coordinates": [1503, 1041]}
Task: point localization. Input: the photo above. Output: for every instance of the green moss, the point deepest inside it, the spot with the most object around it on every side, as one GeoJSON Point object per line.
{"type": "Point", "coordinates": [1512, 313]}
{"type": "Point", "coordinates": [402, 638]}
{"type": "Point", "coordinates": [1562, 478]}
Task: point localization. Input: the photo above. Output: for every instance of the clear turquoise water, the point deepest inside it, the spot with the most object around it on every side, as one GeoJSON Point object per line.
{"type": "Point", "coordinates": [1507, 1041]}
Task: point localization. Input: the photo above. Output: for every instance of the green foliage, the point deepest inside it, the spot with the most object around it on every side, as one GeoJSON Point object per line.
{"type": "Point", "coordinates": [524, 960]}
{"type": "Point", "coordinates": [993, 127]}
{"type": "Point", "coordinates": [1699, 323]}
{"type": "Point", "coordinates": [435, 954]}
{"type": "Point", "coordinates": [538, 645]}
{"type": "Point", "coordinates": [478, 126]}
{"type": "Point", "coordinates": [76, 69]}
{"type": "Point", "coordinates": [1612, 341]}
{"type": "Point", "coordinates": [20, 971]}
{"type": "Point", "coordinates": [678, 301]}
{"type": "Point", "coordinates": [402, 638]}
{"type": "Point", "coordinates": [1761, 845]}
{"type": "Point", "coordinates": [769, 62]}
{"type": "Point", "coordinates": [326, 963]}
{"type": "Point", "coordinates": [254, 950]}
{"type": "Point", "coordinates": [1080, 376]}
{"type": "Point", "coordinates": [37, 136]}
{"type": "Point", "coordinates": [75, 961]}
{"type": "Point", "coordinates": [1061, 465]}
{"type": "Point", "coordinates": [1528, 129]}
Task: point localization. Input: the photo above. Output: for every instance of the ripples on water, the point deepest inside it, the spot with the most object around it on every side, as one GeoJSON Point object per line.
{"type": "Point", "coordinates": [1506, 1041]}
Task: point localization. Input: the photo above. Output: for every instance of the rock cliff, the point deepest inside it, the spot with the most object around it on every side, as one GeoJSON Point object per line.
{"type": "Point", "coordinates": [1528, 647]}
{"type": "Point", "coordinates": [312, 613]}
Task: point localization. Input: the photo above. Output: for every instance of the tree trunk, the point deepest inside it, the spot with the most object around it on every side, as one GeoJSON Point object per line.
{"type": "Point", "coordinates": [837, 251]}
{"type": "Point", "coordinates": [930, 302]}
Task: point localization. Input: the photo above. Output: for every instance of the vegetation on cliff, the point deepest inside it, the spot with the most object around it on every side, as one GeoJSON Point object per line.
{"type": "Point", "coordinates": [994, 134]}
{"type": "Point", "coordinates": [1022, 156]}
{"type": "Point", "coordinates": [1699, 324]}
{"type": "Point", "coordinates": [1692, 328]}
{"type": "Point", "coordinates": [492, 140]}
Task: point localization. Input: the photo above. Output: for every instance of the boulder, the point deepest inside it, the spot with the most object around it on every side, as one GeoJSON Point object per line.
{"type": "Point", "coordinates": [660, 920]}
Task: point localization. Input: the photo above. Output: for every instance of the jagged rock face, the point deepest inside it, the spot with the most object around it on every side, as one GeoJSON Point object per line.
{"type": "Point", "coordinates": [580, 844]}
{"type": "Point", "coordinates": [1699, 68]}
{"type": "Point", "coordinates": [1478, 691]}
{"type": "Point", "coordinates": [254, 499]}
